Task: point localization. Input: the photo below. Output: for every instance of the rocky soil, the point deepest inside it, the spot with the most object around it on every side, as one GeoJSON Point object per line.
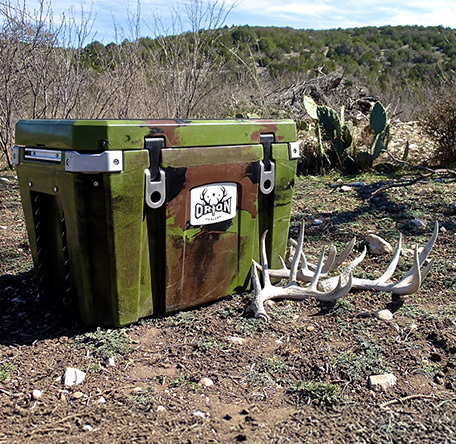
{"type": "Point", "coordinates": [216, 375]}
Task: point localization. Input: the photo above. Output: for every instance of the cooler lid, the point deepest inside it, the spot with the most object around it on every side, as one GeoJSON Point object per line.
{"type": "Point", "coordinates": [102, 135]}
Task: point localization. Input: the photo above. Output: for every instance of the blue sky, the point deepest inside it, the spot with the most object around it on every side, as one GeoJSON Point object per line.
{"type": "Point", "coordinates": [308, 14]}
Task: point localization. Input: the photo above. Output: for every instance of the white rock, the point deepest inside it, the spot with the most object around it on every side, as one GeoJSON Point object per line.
{"type": "Point", "coordinates": [199, 414]}
{"type": "Point", "coordinates": [78, 395]}
{"type": "Point", "coordinates": [73, 376]}
{"type": "Point", "coordinates": [384, 315]}
{"type": "Point", "coordinates": [345, 189]}
{"type": "Point", "coordinates": [207, 382]}
{"type": "Point", "coordinates": [36, 395]}
{"type": "Point", "coordinates": [4, 179]}
{"type": "Point", "coordinates": [102, 400]}
{"type": "Point", "coordinates": [418, 223]}
{"type": "Point", "coordinates": [377, 245]}
{"type": "Point", "coordinates": [161, 408]}
{"type": "Point", "coordinates": [317, 222]}
{"type": "Point", "coordinates": [87, 428]}
{"type": "Point", "coordinates": [382, 382]}
{"type": "Point", "coordinates": [443, 229]}
{"type": "Point", "coordinates": [110, 362]}
{"type": "Point", "coordinates": [236, 340]}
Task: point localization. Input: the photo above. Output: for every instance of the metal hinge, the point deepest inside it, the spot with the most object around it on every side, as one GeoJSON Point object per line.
{"type": "Point", "coordinates": [293, 150]}
{"type": "Point", "coordinates": [155, 189]}
{"type": "Point", "coordinates": [267, 166]}
{"type": "Point", "coordinates": [105, 162]}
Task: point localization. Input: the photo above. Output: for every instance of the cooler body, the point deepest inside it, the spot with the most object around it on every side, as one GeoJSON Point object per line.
{"type": "Point", "coordinates": [134, 218]}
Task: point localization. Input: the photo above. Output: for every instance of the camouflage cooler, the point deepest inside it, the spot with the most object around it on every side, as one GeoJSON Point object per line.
{"type": "Point", "coordinates": [139, 217]}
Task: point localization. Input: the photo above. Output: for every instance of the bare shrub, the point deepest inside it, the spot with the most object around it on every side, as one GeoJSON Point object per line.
{"type": "Point", "coordinates": [439, 123]}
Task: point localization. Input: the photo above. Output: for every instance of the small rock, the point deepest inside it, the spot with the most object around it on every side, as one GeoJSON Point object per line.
{"type": "Point", "coordinates": [418, 223]}
{"type": "Point", "coordinates": [384, 315]}
{"type": "Point", "coordinates": [236, 340]}
{"type": "Point", "coordinates": [199, 414]}
{"type": "Point", "coordinates": [87, 428]}
{"type": "Point", "coordinates": [413, 327]}
{"type": "Point", "coordinates": [382, 382]}
{"type": "Point", "coordinates": [78, 395]}
{"type": "Point", "coordinates": [207, 382]}
{"type": "Point", "coordinates": [443, 229]}
{"type": "Point", "coordinates": [161, 408]}
{"type": "Point", "coordinates": [317, 222]}
{"type": "Point", "coordinates": [102, 400]}
{"type": "Point", "coordinates": [3, 227]}
{"type": "Point", "coordinates": [377, 245]}
{"type": "Point", "coordinates": [137, 390]}
{"type": "Point", "coordinates": [345, 189]}
{"type": "Point", "coordinates": [4, 179]}
{"type": "Point", "coordinates": [310, 328]}
{"type": "Point", "coordinates": [36, 395]}
{"type": "Point", "coordinates": [110, 362]}
{"type": "Point", "coordinates": [73, 376]}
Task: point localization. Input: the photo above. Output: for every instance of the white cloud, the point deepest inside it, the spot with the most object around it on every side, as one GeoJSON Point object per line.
{"type": "Point", "coordinates": [334, 14]}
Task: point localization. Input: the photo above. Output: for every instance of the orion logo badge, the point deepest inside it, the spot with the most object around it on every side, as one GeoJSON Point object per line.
{"type": "Point", "coordinates": [213, 203]}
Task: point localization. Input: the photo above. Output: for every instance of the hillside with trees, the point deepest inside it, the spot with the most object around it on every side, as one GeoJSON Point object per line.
{"type": "Point", "coordinates": [51, 71]}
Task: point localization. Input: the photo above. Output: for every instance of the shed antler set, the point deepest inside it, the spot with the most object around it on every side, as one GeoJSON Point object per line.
{"type": "Point", "coordinates": [332, 288]}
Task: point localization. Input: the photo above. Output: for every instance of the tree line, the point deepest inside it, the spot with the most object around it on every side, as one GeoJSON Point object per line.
{"type": "Point", "coordinates": [207, 70]}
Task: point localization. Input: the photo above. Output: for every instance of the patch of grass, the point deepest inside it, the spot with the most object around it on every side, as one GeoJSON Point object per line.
{"type": "Point", "coordinates": [107, 343]}
{"type": "Point", "coordinates": [182, 381]}
{"type": "Point", "coordinates": [248, 326]}
{"type": "Point", "coordinates": [356, 364]}
{"type": "Point", "coordinates": [184, 319]}
{"type": "Point", "coordinates": [209, 343]}
{"type": "Point", "coordinates": [91, 368]}
{"type": "Point", "coordinates": [6, 370]}
{"type": "Point", "coordinates": [426, 368]}
{"type": "Point", "coordinates": [322, 394]}
{"type": "Point", "coordinates": [273, 365]}
{"type": "Point", "coordinates": [145, 398]}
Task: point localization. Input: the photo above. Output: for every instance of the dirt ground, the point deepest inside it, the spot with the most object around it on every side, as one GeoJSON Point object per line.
{"type": "Point", "coordinates": [301, 378]}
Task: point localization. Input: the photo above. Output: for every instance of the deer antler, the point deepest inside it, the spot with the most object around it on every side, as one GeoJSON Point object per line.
{"type": "Point", "coordinates": [409, 284]}
{"type": "Point", "coordinates": [335, 287]}
{"type": "Point", "coordinates": [292, 290]}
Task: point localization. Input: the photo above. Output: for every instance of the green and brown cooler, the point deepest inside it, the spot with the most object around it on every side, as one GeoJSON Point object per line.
{"type": "Point", "coordinates": [139, 217]}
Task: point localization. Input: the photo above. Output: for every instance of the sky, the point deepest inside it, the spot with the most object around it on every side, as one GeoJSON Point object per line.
{"type": "Point", "coordinates": [307, 14]}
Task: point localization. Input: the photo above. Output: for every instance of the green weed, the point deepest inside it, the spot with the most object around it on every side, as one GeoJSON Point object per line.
{"type": "Point", "coordinates": [107, 343]}
{"type": "Point", "coordinates": [320, 393]}
{"type": "Point", "coordinates": [145, 398]}
{"type": "Point", "coordinates": [356, 364]}
{"type": "Point", "coordinates": [6, 370]}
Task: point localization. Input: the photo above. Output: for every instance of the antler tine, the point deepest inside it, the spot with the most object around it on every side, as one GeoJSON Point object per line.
{"type": "Point", "coordinates": [405, 285]}
{"type": "Point", "coordinates": [427, 248]}
{"type": "Point", "coordinates": [343, 256]}
{"type": "Point", "coordinates": [330, 283]}
{"type": "Point", "coordinates": [333, 260]}
{"type": "Point", "coordinates": [316, 277]}
{"type": "Point", "coordinates": [297, 256]}
{"type": "Point", "coordinates": [393, 264]}
{"type": "Point", "coordinates": [264, 261]}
